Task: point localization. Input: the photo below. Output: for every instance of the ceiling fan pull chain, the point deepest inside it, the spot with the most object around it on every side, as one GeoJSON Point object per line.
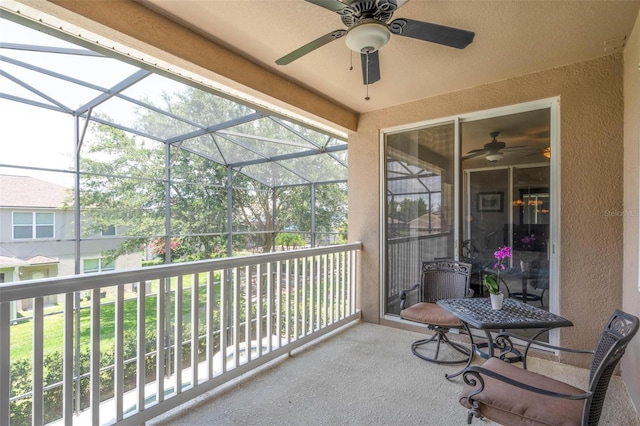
{"type": "Point", "coordinates": [350, 60]}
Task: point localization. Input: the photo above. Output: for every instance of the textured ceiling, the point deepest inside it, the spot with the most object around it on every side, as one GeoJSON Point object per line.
{"type": "Point", "coordinates": [512, 38]}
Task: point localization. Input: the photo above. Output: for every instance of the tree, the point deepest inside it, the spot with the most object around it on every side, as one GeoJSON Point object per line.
{"type": "Point", "coordinates": [407, 209]}
{"type": "Point", "coordinates": [134, 198]}
{"type": "Point", "coordinates": [124, 181]}
{"type": "Point", "coordinates": [292, 210]}
{"type": "Point", "coordinates": [121, 185]}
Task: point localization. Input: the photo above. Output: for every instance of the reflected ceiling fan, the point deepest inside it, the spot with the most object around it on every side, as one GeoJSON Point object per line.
{"type": "Point", "coordinates": [368, 31]}
{"type": "Point", "coordinates": [492, 151]}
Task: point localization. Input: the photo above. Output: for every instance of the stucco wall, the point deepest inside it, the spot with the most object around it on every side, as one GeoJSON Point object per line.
{"type": "Point", "coordinates": [630, 291]}
{"type": "Point", "coordinates": [591, 140]}
{"type": "Point", "coordinates": [591, 107]}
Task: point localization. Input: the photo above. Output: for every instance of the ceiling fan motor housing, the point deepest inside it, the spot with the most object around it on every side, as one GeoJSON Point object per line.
{"type": "Point", "coordinates": [357, 12]}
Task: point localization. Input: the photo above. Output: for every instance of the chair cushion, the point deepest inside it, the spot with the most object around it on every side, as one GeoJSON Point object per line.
{"type": "Point", "coordinates": [430, 313]}
{"type": "Point", "coordinates": [510, 405]}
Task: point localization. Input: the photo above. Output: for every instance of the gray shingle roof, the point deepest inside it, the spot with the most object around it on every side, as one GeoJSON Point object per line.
{"type": "Point", "coordinates": [26, 191]}
{"type": "Point", "coordinates": [11, 262]}
{"type": "Point", "coordinates": [42, 260]}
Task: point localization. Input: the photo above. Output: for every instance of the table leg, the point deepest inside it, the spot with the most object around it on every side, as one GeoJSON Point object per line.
{"type": "Point", "coordinates": [508, 352]}
{"type": "Point", "coordinates": [502, 342]}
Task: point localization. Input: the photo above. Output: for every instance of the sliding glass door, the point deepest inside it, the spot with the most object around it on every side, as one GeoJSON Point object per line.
{"type": "Point", "coordinates": [462, 189]}
{"type": "Point", "coordinates": [419, 208]}
{"type": "Point", "coordinates": [507, 201]}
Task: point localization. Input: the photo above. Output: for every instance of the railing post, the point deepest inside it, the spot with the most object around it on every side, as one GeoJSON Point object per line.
{"type": "Point", "coordinates": [287, 301]}
{"type": "Point", "coordinates": [37, 401]}
{"type": "Point", "coordinates": [236, 317]}
{"type": "Point", "coordinates": [278, 301]}
{"type": "Point", "coordinates": [177, 339]}
{"type": "Point", "coordinates": [247, 311]}
{"type": "Point", "coordinates": [77, 402]}
{"type": "Point", "coordinates": [195, 321]}
{"type": "Point", "coordinates": [161, 343]}
{"type": "Point", "coordinates": [141, 367]}
{"type": "Point", "coordinates": [118, 368]}
{"type": "Point", "coordinates": [211, 305]}
{"type": "Point", "coordinates": [305, 311]}
{"type": "Point", "coordinates": [259, 312]}
{"type": "Point", "coordinates": [269, 330]}
{"type": "Point", "coordinates": [224, 318]}
{"type": "Point", "coordinates": [95, 357]}
{"type": "Point", "coordinates": [5, 364]}
{"type": "Point", "coordinates": [166, 288]}
{"type": "Point", "coordinates": [68, 358]}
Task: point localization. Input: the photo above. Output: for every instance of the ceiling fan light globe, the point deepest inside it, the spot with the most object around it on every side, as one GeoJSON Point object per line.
{"type": "Point", "coordinates": [494, 156]}
{"type": "Point", "coordinates": [367, 37]}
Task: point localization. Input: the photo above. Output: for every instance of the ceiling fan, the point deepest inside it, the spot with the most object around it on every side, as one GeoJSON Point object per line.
{"type": "Point", "coordinates": [367, 31]}
{"type": "Point", "coordinates": [492, 151]}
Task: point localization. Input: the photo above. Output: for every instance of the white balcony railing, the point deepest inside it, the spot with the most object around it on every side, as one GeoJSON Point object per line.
{"type": "Point", "coordinates": [244, 312]}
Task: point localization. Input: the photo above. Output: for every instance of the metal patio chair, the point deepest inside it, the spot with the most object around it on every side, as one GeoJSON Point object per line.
{"type": "Point", "coordinates": [441, 279]}
{"type": "Point", "coordinates": [510, 395]}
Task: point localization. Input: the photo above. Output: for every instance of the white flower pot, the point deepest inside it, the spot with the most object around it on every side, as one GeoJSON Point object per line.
{"type": "Point", "coordinates": [496, 301]}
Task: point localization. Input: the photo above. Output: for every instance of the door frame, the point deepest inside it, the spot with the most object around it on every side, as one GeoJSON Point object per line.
{"type": "Point", "coordinates": [553, 104]}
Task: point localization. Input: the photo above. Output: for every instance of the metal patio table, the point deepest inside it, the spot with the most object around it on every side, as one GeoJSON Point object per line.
{"type": "Point", "coordinates": [477, 313]}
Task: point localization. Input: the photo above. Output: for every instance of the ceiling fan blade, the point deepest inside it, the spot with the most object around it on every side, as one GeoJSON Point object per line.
{"type": "Point", "coordinates": [515, 147]}
{"type": "Point", "coordinates": [370, 67]}
{"type": "Point", "coordinates": [479, 151]}
{"type": "Point", "coordinates": [332, 5]}
{"type": "Point", "coordinates": [310, 47]}
{"type": "Point", "coordinates": [452, 37]}
{"type": "Point", "coordinates": [474, 155]}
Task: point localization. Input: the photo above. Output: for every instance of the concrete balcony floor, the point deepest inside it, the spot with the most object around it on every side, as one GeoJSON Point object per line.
{"type": "Point", "coordinates": [364, 374]}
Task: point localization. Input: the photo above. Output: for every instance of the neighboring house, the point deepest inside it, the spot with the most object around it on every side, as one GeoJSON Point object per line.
{"type": "Point", "coordinates": [37, 235]}
{"type": "Point", "coordinates": [36, 232]}
{"type": "Point", "coordinates": [428, 223]}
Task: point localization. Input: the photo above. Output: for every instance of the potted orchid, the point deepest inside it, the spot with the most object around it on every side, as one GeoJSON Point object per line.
{"type": "Point", "coordinates": [492, 282]}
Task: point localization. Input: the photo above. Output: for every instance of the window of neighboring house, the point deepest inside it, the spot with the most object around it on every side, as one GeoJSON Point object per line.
{"type": "Point", "coordinates": [108, 231]}
{"type": "Point", "coordinates": [98, 265]}
{"type": "Point", "coordinates": [29, 225]}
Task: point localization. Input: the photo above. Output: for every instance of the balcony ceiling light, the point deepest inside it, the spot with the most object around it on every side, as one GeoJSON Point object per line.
{"type": "Point", "coordinates": [367, 37]}
{"type": "Point", "coordinates": [494, 156]}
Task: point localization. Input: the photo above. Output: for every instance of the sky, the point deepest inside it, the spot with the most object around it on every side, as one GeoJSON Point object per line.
{"type": "Point", "coordinates": [34, 137]}
{"type": "Point", "coordinates": [39, 137]}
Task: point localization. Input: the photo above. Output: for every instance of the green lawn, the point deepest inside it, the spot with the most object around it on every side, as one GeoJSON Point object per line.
{"type": "Point", "coordinates": [22, 335]}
